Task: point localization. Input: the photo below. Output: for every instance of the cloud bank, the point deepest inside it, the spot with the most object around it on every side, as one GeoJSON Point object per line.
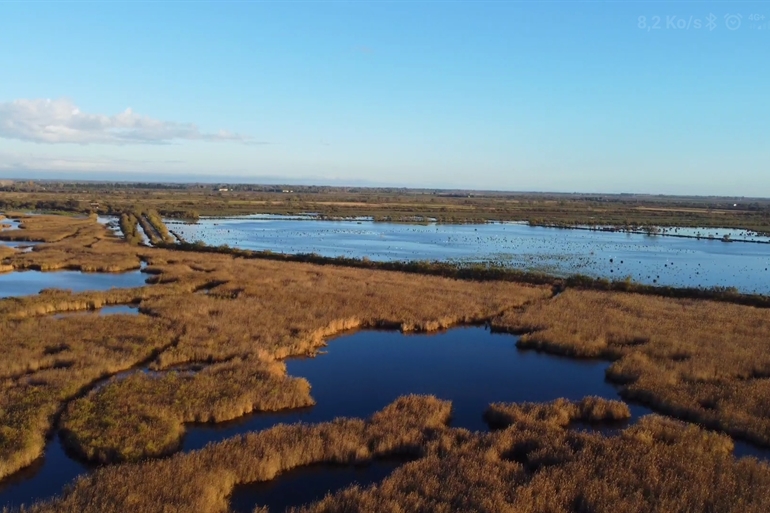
{"type": "Point", "coordinates": [61, 121]}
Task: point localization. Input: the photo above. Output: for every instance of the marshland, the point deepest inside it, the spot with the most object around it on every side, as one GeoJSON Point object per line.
{"type": "Point", "coordinates": [222, 371]}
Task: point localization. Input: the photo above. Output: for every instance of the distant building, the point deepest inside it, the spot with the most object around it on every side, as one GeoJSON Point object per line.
{"type": "Point", "coordinates": [223, 189]}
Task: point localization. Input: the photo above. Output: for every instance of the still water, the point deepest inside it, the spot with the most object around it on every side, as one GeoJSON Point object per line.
{"type": "Point", "coordinates": [105, 310]}
{"type": "Point", "coordinates": [362, 372]}
{"type": "Point", "coordinates": [650, 259]}
{"type": "Point", "coordinates": [357, 375]}
{"type": "Point", "coordinates": [305, 485]}
{"type": "Point", "coordinates": [367, 370]}
{"type": "Point", "coordinates": [24, 283]}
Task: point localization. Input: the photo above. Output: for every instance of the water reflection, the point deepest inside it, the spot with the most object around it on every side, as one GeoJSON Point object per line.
{"type": "Point", "coordinates": [365, 371]}
{"type": "Point", "coordinates": [647, 259]}
{"type": "Point", "coordinates": [45, 478]}
{"type": "Point", "coordinates": [25, 283]}
{"type": "Point", "coordinates": [359, 374]}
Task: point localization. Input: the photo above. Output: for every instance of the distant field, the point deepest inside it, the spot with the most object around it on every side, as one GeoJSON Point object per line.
{"type": "Point", "coordinates": [400, 205]}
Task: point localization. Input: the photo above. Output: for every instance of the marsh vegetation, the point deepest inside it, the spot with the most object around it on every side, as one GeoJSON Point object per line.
{"type": "Point", "coordinates": [532, 463]}
{"type": "Point", "coordinates": [700, 361]}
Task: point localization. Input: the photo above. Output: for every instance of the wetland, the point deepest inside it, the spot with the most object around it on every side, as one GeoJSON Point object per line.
{"type": "Point", "coordinates": [299, 376]}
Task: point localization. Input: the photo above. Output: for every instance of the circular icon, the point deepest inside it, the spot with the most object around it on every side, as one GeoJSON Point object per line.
{"type": "Point", "coordinates": [733, 21]}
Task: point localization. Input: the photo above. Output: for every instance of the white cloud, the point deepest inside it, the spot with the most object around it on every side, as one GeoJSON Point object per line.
{"type": "Point", "coordinates": [14, 162]}
{"type": "Point", "coordinates": [61, 121]}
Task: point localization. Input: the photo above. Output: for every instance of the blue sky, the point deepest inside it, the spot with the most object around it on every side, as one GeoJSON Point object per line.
{"type": "Point", "coordinates": [555, 96]}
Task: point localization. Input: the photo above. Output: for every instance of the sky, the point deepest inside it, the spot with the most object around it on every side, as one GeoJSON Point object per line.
{"type": "Point", "coordinates": [571, 96]}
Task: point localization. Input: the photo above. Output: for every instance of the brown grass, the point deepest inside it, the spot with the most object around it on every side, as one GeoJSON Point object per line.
{"type": "Point", "coordinates": [697, 360]}
{"type": "Point", "coordinates": [255, 313]}
{"type": "Point", "coordinates": [47, 362]}
{"type": "Point", "coordinates": [533, 465]}
{"type": "Point", "coordinates": [144, 415]}
{"type": "Point", "coordinates": [201, 481]}
{"type": "Point", "coordinates": [560, 412]}
{"type": "Point", "coordinates": [72, 243]}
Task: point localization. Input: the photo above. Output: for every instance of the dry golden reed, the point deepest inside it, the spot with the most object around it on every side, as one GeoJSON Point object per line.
{"type": "Point", "coordinates": [701, 361]}
{"type": "Point", "coordinates": [232, 320]}
{"type": "Point", "coordinates": [530, 465]}
{"type": "Point", "coordinates": [246, 315]}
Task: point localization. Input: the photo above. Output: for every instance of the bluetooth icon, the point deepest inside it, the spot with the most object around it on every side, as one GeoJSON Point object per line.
{"type": "Point", "coordinates": [712, 21]}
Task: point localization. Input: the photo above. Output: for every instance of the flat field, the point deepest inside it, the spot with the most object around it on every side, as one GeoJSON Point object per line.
{"type": "Point", "coordinates": [621, 211]}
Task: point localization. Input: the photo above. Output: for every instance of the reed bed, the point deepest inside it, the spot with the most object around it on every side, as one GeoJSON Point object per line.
{"type": "Point", "coordinates": [49, 228]}
{"type": "Point", "coordinates": [236, 318]}
{"type": "Point", "coordinates": [245, 316]}
{"type": "Point", "coordinates": [80, 244]}
{"type": "Point", "coordinates": [143, 415]}
{"type": "Point", "coordinates": [47, 362]}
{"type": "Point", "coordinates": [201, 481]}
{"type": "Point", "coordinates": [533, 466]}
{"type": "Point", "coordinates": [130, 229]}
{"type": "Point", "coordinates": [530, 465]}
{"type": "Point", "coordinates": [700, 361]}
{"type": "Point", "coordinates": [269, 312]}
{"type": "Point", "coordinates": [287, 309]}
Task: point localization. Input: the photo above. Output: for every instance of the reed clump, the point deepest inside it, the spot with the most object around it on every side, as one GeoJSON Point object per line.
{"type": "Point", "coordinates": [5, 252]}
{"type": "Point", "coordinates": [700, 361]}
{"type": "Point", "coordinates": [48, 362]}
{"type": "Point", "coordinates": [156, 221]}
{"type": "Point", "coordinates": [143, 415]}
{"type": "Point", "coordinates": [129, 227]}
{"type": "Point", "coordinates": [560, 412]}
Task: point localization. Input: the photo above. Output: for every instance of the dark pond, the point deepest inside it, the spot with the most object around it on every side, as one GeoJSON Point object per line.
{"type": "Point", "coordinates": [307, 484]}
{"type": "Point", "coordinates": [364, 371]}
{"type": "Point", "coordinates": [655, 259]}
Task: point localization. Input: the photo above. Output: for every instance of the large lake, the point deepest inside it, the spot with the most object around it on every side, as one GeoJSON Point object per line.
{"type": "Point", "coordinates": [650, 259]}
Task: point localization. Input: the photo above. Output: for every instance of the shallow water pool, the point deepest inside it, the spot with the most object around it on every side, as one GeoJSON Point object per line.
{"type": "Point", "coordinates": [25, 283]}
